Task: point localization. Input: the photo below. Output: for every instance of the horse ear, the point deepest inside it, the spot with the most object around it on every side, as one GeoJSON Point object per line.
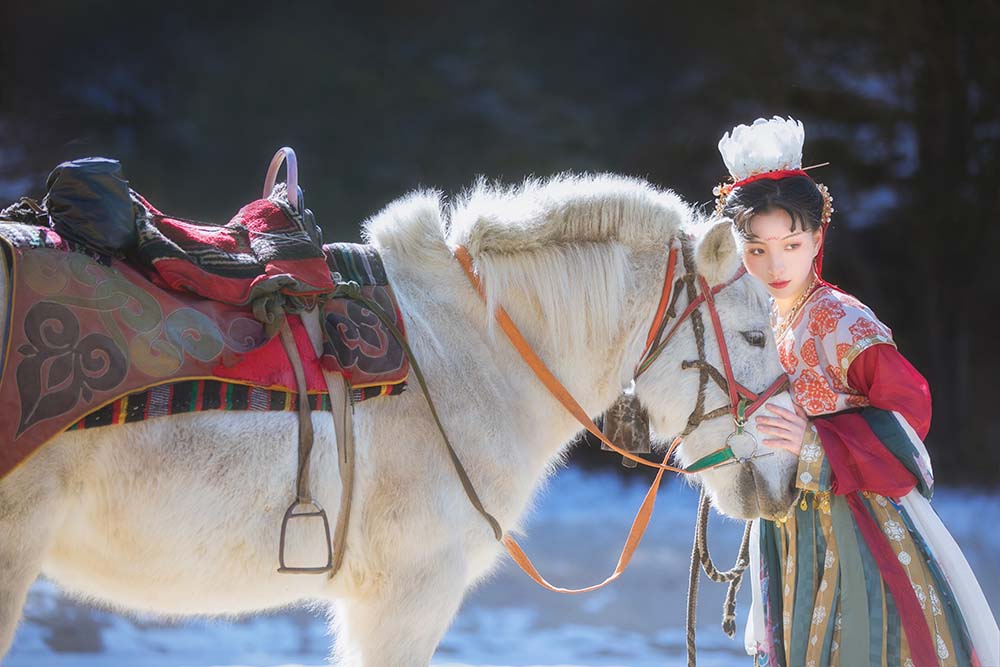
{"type": "Point", "coordinates": [718, 255]}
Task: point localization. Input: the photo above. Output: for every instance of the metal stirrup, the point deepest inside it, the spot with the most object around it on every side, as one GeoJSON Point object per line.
{"type": "Point", "coordinates": [303, 498]}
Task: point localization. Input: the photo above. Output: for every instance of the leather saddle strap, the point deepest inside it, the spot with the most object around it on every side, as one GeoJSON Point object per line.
{"type": "Point", "coordinates": [305, 415]}
{"type": "Point", "coordinates": [353, 291]}
{"type": "Point", "coordinates": [343, 412]}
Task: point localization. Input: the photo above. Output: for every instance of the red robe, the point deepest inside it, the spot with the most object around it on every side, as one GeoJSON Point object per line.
{"type": "Point", "coordinates": [859, 460]}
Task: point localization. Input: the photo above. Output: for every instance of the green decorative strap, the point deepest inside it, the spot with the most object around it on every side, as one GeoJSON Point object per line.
{"type": "Point", "coordinates": [713, 459]}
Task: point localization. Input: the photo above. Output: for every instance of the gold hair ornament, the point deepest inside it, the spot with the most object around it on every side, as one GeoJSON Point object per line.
{"type": "Point", "coordinates": [723, 190]}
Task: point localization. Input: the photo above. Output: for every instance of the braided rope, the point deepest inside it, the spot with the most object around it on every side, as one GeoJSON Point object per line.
{"type": "Point", "coordinates": [700, 556]}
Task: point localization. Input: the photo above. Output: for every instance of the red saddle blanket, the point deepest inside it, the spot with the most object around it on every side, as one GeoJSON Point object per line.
{"type": "Point", "coordinates": [81, 332]}
{"type": "Point", "coordinates": [265, 248]}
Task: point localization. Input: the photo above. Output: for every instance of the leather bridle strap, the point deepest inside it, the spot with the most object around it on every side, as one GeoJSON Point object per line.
{"type": "Point", "coordinates": [659, 320]}
{"type": "Point", "coordinates": [651, 355]}
{"type": "Point", "coordinates": [736, 390]}
{"type": "Point", "coordinates": [727, 365]}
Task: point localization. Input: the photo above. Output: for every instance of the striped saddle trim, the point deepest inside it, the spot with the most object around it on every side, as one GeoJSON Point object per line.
{"type": "Point", "coordinates": [201, 395]}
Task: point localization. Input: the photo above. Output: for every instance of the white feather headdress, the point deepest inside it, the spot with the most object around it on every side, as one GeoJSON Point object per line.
{"type": "Point", "coordinates": [767, 149]}
{"type": "Point", "coordinates": [767, 145]}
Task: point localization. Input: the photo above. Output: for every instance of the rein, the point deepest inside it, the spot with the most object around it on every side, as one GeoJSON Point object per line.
{"type": "Point", "coordinates": [734, 577]}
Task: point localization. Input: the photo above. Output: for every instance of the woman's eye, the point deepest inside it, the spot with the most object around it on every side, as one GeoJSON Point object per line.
{"type": "Point", "coordinates": [794, 246]}
{"type": "Point", "coordinates": [754, 337]}
{"type": "Point", "coordinates": [756, 251]}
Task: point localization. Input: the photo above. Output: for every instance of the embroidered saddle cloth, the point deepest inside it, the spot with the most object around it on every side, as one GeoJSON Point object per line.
{"type": "Point", "coordinates": [83, 331]}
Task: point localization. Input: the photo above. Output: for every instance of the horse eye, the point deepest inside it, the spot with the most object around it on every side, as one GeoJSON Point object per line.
{"type": "Point", "coordinates": [754, 337]}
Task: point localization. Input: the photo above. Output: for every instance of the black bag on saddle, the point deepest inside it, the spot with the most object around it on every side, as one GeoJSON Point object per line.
{"type": "Point", "coordinates": [88, 202]}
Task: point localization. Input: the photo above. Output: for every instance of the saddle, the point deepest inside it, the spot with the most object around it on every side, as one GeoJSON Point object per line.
{"type": "Point", "coordinates": [272, 245]}
{"type": "Point", "coordinates": [171, 300]}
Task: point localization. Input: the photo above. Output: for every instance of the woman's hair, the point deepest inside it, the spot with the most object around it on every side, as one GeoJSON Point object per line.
{"type": "Point", "coordinates": [796, 195]}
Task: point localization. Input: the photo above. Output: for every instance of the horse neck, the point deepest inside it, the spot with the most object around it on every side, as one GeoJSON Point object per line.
{"type": "Point", "coordinates": [593, 368]}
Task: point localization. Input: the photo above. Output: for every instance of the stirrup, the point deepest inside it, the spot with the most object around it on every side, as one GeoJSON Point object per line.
{"type": "Point", "coordinates": [291, 514]}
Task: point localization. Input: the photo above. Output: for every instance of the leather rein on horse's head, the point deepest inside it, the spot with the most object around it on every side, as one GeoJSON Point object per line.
{"type": "Point", "coordinates": [742, 401]}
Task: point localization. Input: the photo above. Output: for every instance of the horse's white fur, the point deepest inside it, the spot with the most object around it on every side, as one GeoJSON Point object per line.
{"type": "Point", "coordinates": [180, 515]}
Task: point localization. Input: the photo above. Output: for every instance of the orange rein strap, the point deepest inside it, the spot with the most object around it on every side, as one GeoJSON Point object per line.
{"type": "Point", "coordinates": [635, 534]}
{"type": "Point", "coordinates": [544, 374]}
{"type": "Point", "coordinates": [645, 511]}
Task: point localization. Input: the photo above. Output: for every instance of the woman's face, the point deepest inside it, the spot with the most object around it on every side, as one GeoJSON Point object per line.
{"type": "Point", "coordinates": [779, 255]}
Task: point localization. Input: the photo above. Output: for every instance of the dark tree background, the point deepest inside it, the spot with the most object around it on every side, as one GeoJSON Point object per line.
{"type": "Point", "coordinates": [903, 98]}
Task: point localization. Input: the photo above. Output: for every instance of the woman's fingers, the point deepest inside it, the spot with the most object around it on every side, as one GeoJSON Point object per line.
{"type": "Point", "coordinates": [787, 426]}
{"type": "Point", "coordinates": [779, 444]}
{"type": "Point", "coordinates": [775, 428]}
{"type": "Point", "coordinates": [778, 410]}
{"type": "Point", "coordinates": [786, 416]}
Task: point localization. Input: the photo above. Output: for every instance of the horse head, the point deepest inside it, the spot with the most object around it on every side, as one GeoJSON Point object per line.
{"type": "Point", "coordinates": [688, 379]}
{"type": "Point", "coordinates": [578, 262]}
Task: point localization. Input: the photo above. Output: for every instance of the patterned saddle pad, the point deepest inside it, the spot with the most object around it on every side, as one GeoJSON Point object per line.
{"type": "Point", "coordinates": [84, 332]}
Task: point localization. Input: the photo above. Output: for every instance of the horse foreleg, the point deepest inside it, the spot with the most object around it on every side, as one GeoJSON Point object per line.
{"type": "Point", "coordinates": [28, 514]}
{"type": "Point", "coordinates": [403, 624]}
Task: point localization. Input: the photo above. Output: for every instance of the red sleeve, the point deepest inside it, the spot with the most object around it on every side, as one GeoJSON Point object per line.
{"type": "Point", "coordinates": [890, 382]}
{"type": "Point", "coordinates": [858, 459]}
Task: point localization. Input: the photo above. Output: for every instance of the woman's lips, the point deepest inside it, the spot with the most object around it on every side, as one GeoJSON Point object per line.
{"type": "Point", "coordinates": [781, 284]}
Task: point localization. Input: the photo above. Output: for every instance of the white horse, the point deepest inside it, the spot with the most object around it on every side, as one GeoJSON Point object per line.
{"type": "Point", "coordinates": [180, 515]}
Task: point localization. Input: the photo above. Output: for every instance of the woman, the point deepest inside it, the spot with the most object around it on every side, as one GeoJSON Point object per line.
{"type": "Point", "coordinates": [861, 572]}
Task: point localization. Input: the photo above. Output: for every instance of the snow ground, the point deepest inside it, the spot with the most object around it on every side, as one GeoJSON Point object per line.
{"type": "Point", "coordinates": [574, 537]}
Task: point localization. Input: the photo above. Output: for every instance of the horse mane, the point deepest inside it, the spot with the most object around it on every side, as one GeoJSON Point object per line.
{"type": "Point", "coordinates": [559, 247]}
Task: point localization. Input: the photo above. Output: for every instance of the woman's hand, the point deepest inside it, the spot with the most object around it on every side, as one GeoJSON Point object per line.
{"type": "Point", "coordinates": [787, 427]}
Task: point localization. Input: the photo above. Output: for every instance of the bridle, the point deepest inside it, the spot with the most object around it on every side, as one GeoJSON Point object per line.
{"type": "Point", "coordinates": [742, 401]}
